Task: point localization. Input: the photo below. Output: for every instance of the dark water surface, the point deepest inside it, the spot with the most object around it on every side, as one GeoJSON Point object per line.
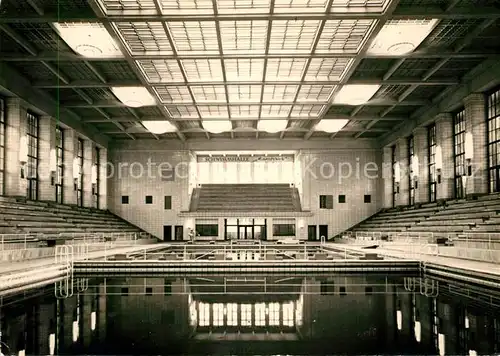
{"type": "Point", "coordinates": [259, 315]}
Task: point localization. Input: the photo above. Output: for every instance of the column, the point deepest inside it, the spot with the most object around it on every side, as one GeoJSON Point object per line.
{"type": "Point", "coordinates": [88, 154]}
{"type": "Point", "coordinates": [420, 140]}
{"type": "Point", "coordinates": [46, 143]}
{"type": "Point", "coordinates": [444, 138]}
{"type": "Point", "coordinates": [103, 179]}
{"type": "Point", "coordinates": [69, 156]}
{"type": "Point", "coordinates": [387, 177]}
{"type": "Point", "coordinates": [402, 198]}
{"type": "Point", "coordinates": [14, 130]}
{"type": "Point", "coordinates": [475, 122]}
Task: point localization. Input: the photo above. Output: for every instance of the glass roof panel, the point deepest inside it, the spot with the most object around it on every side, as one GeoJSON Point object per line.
{"type": "Point", "coordinates": [295, 6]}
{"type": "Point", "coordinates": [194, 37]}
{"type": "Point", "coordinates": [213, 111]}
{"type": "Point", "coordinates": [244, 93]}
{"type": "Point", "coordinates": [316, 93]}
{"type": "Point", "coordinates": [280, 93]}
{"type": "Point", "coordinates": [344, 36]}
{"type": "Point", "coordinates": [243, 6]}
{"type": "Point", "coordinates": [183, 111]}
{"type": "Point", "coordinates": [161, 70]}
{"type": "Point", "coordinates": [209, 93]}
{"type": "Point", "coordinates": [306, 111]}
{"type": "Point", "coordinates": [275, 110]}
{"type": "Point", "coordinates": [144, 37]}
{"type": "Point", "coordinates": [327, 69]}
{"type": "Point", "coordinates": [198, 70]}
{"type": "Point", "coordinates": [293, 36]}
{"type": "Point", "coordinates": [244, 69]}
{"type": "Point", "coordinates": [187, 7]}
{"type": "Point", "coordinates": [243, 36]}
{"type": "Point", "coordinates": [285, 69]}
{"type": "Point", "coordinates": [173, 94]}
{"type": "Point", "coordinates": [245, 111]}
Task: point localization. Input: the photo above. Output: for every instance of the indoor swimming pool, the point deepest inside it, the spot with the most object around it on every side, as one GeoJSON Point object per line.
{"type": "Point", "coordinates": [274, 314]}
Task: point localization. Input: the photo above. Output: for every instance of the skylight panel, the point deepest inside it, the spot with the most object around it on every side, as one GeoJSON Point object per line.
{"type": "Point", "coordinates": [194, 37]}
{"type": "Point", "coordinates": [187, 7]}
{"type": "Point", "coordinates": [285, 69]}
{"type": "Point", "coordinates": [316, 93]}
{"type": "Point", "coordinates": [272, 126]}
{"type": "Point", "coordinates": [327, 69]}
{"type": "Point", "coordinates": [209, 93]}
{"type": "Point", "coordinates": [399, 37]}
{"type": "Point", "coordinates": [244, 69]}
{"type": "Point", "coordinates": [183, 112]}
{"type": "Point", "coordinates": [359, 5]}
{"type": "Point", "coordinates": [217, 127]}
{"type": "Point", "coordinates": [243, 6]}
{"type": "Point", "coordinates": [143, 38]}
{"type": "Point", "coordinates": [355, 94]}
{"type": "Point", "coordinates": [344, 36]}
{"type": "Point", "coordinates": [129, 7]}
{"type": "Point", "coordinates": [88, 39]}
{"type": "Point", "coordinates": [199, 70]}
{"type": "Point", "coordinates": [134, 96]}
{"type": "Point", "coordinates": [173, 94]}
{"type": "Point", "coordinates": [307, 110]}
{"type": "Point", "coordinates": [331, 125]}
{"type": "Point", "coordinates": [161, 70]}
{"type": "Point", "coordinates": [213, 111]}
{"type": "Point", "coordinates": [281, 93]}
{"type": "Point", "coordinates": [159, 127]}
{"type": "Point", "coordinates": [293, 36]}
{"type": "Point", "coordinates": [247, 37]}
{"type": "Point", "coordinates": [300, 6]}
{"type": "Point", "coordinates": [244, 93]}
{"type": "Point", "coordinates": [275, 110]}
{"type": "Point", "coordinates": [245, 111]}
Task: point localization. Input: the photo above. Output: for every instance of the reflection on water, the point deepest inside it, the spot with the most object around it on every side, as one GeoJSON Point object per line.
{"type": "Point", "coordinates": [275, 314]}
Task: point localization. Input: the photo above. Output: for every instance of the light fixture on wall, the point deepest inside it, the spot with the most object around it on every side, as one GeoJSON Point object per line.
{"type": "Point", "coordinates": [53, 166]}
{"type": "Point", "coordinates": [397, 175]}
{"type": "Point", "coordinates": [415, 171]}
{"type": "Point", "coordinates": [438, 160]}
{"type": "Point", "coordinates": [76, 173]}
{"type": "Point", "coordinates": [469, 152]}
{"type": "Point", "coordinates": [23, 154]}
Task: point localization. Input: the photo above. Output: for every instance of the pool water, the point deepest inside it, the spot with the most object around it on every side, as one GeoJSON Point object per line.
{"type": "Point", "coordinates": [252, 315]}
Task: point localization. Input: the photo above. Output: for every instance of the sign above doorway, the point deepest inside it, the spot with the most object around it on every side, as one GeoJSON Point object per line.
{"type": "Point", "coordinates": [245, 158]}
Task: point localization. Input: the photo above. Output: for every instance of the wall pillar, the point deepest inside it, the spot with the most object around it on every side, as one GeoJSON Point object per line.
{"type": "Point", "coordinates": [387, 177]}
{"type": "Point", "coordinates": [88, 155]}
{"type": "Point", "coordinates": [475, 122]}
{"type": "Point", "coordinates": [103, 181]}
{"type": "Point", "coordinates": [16, 123]}
{"type": "Point", "coordinates": [421, 149]}
{"type": "Point", "coordinates": [402, 198]}
{"type": "Point", "coordinates": [69, 155]}
{"type": "Point", "coordinates": [444, 139]}
{"type": "Point", "coordinates": [46, 140]}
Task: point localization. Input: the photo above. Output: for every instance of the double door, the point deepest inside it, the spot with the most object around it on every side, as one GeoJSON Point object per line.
{"type": "Point", "coordinates": [251, 232]}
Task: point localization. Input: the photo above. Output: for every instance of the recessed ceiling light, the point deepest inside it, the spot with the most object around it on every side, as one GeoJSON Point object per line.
{"type": "Point", "coordinates": [272, 126]}
{"type": "Point", "coordinates": [134, 96]}
{"type": "Point", "coordinates": [88, 39]}
{"type": "Point", "coordinates": [217, 127]}
{"type": "Point", "coordinates": [355, 94]}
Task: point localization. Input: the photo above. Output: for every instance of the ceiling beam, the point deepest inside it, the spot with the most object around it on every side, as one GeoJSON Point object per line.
{"type": "Point", "coordinates": [327, 117]}
{"type": "Point", "coordinates": [142, 80]}
{"type": "Point", "coordinates": [391, 7]}
{"type": "Point", "coordinates": [134, 83]}
{"type": "Point", "coordinates": [53, 56]}
{"type": "Point", "coordinates": [403, 12]}
{"type": "Point", "coordinates": [119, 104]}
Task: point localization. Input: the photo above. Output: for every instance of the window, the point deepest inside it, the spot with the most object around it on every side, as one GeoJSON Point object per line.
{"type": "Point", "coordinates": [149, 199]}
{"type": "Point", "coordinates": [283, 229]}
{"type": "Point", "coordinates": [459, 151]}
{"type": "Point", "coordinates": [79, 188]}
{"type": "Point", "coordinates": [274, 314]}
{"type": "Point", "coordinates": [168, 202]}
{"type": "Point", "coordinates": [203, 314]}
{"type": "Point", "coordinates": [326, 201]}
{"type": "Point", "coordinates": [218, 314]}
{"type": "Point", "coordinates": [124, 199]}
{"type": "Point", "coordinates": [411, 157]}
{"type": "Point", "coordinates": [232, 314]}
{"type": "Point", "coordinates": [32, 164]}
{"type": "Point", "coordinates": [207, 229]}
{"type": "Point", "coordinates": [493, 123]}
{"type": "Point", "coordinates": [60, 165]}
{"type": "Point", "coordinates": [367, 199]}
{"type": "Point", "coordinates": [246, 314]}
{"type": "Point", "coordinates": [393, 174]}
{"type": "Point", "coordinates": [432, 162]}
{"type": "Point", "coordinates": [342, 198]}
{"type": "Point", "coordinates": [2, 145]}
{"type": "Point", "coordinates": [96, 183]}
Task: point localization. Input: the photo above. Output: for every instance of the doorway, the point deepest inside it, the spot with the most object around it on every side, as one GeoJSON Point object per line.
{"type": "Point", "coordinates": [179, 233]}
{"type": "Point", "coordinates": [312, 233]}
{"type": "Point", "coordinates": [323, 231]}
{"type": "Point", "coordinates": [246, 232]}
{"type": "Point", "coordinates": [167, 233]}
